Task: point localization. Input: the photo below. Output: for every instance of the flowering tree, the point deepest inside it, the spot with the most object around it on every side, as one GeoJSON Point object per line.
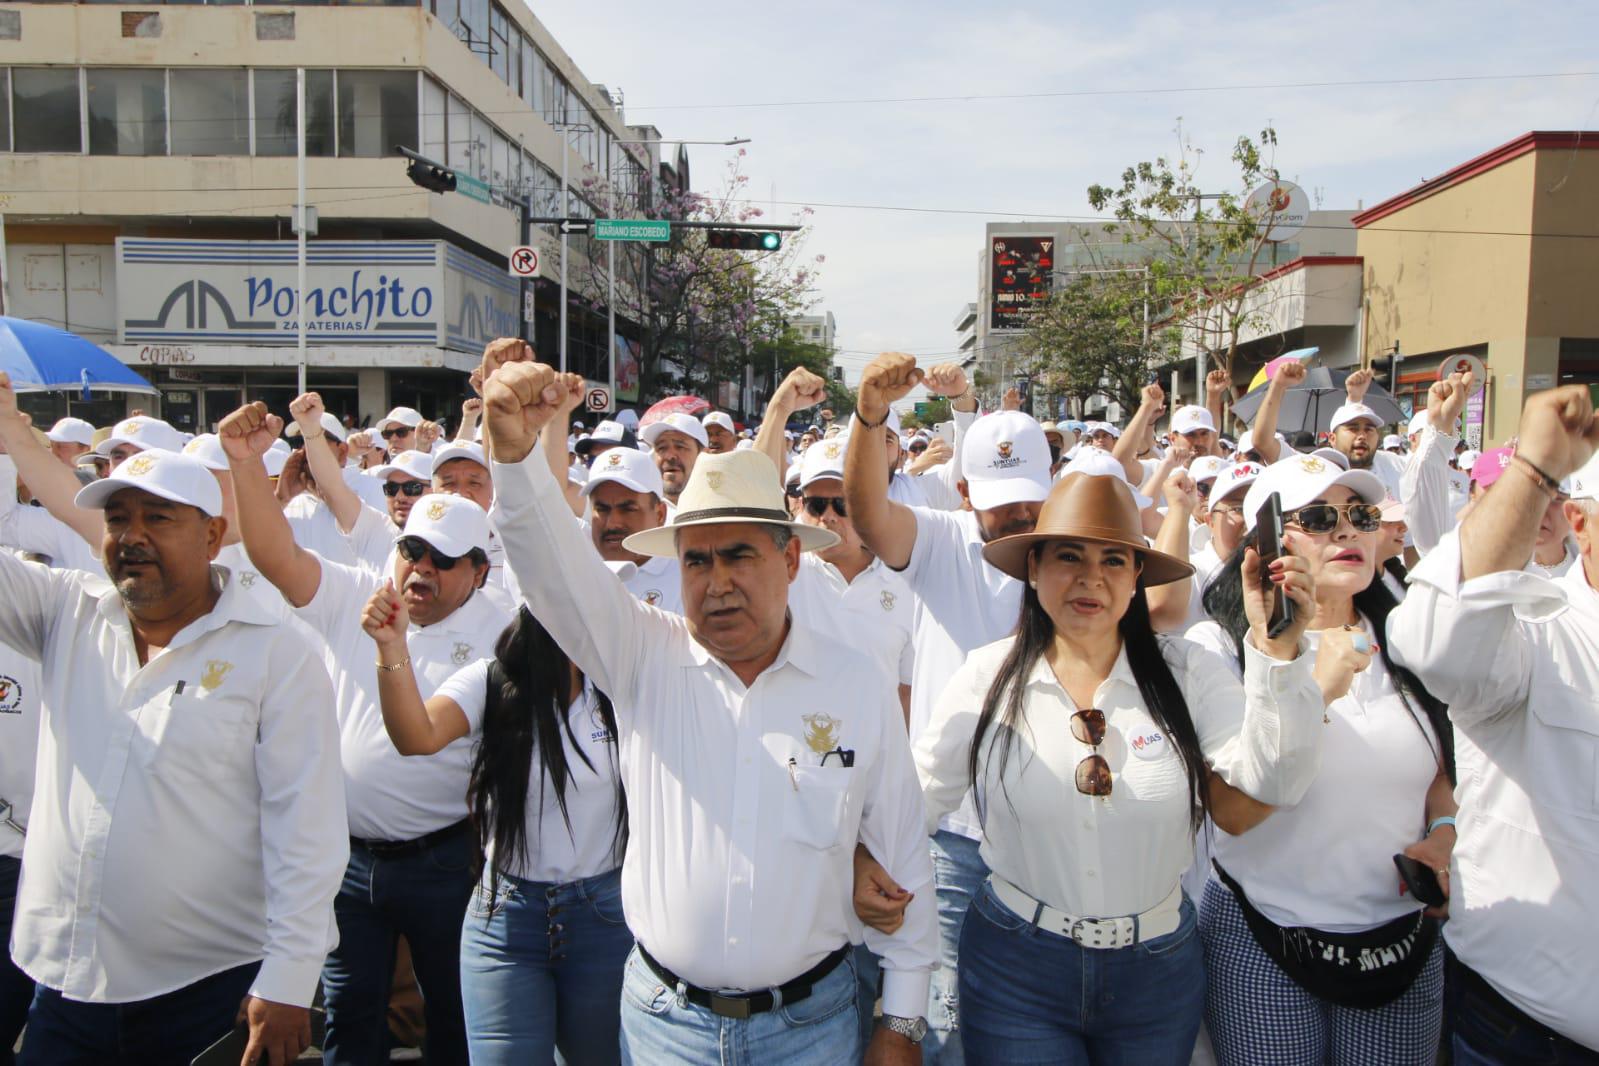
{"type": "Point", "coordinates": [701, 310]}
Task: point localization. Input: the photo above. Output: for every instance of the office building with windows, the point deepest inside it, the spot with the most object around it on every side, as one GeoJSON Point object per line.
{"type": "Point", "coordinates": [148, 163]}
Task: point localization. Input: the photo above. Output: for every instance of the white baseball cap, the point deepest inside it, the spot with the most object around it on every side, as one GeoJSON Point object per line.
{"type": "Point", "coordinates": [1004, 460]}
{"type": "Point", "coordinates": [1246, 441]}
{"type": "Point", "coordinates": [1392, 440]}
{"type": "Point", "coordinates": [1466, 459]}
{"type": "Point", "coordinates": [1393, 510]}
{"type": "Point", "coordinates": [687, 425]}
{"type": "Point", "coordinates": [330, 425]}
{"type": "Point", "coordinates": [206, 448]}
{"type": "Point", "coordinates": [1205, 467]}
{"type": "Point", "coordinates": [408, 417]}
{"type": "Point", "coordinates": [168, 474]}
{"type": "Point", "coordinates": [626, 466]}
{"type": "Point", "coordinates": [72, 431]}
{"type": "Point", "coordinates": [143, 433]}
{"type": "Point", "coordinates": [744, 445]}
{"type": "Point", "coordinates": [1299, 479]}
{"type": "Point", "coordinates": [891, 423]}
{"type": "Point", "coordinates": [1351, 412]}
{"type": "Point", "coordinates": [1090, 428]}
{"type": "Point", "coordinates": [452, 524]}
{"type": "Point", "coordinates": [1236, 476]}
{"type": "Point", "coordinates": [1100, 463]}
{"type": "Point", "coordinates": [275, 461]}
{"type": "Point", "coordinates": [718, 418]}
{"type": "Point", "coordinates": [822, 460]}
{"type": "Point", "coordinates": [610, 432]}
{"type": "Point", "coordinates": [1192, 418]}
{"type": "Point", "coordinates": [1418, 422]}
{"type": "Point", "coordinates": [415, 464]}
{"type": "Point", "coordinates": [1584, 484]}
{"type": "Point", "coordinates": [458, 449]}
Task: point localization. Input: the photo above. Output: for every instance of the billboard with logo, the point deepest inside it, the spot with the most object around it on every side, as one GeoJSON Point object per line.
{"type": "Point", "coordinates": [1021, 275]}
{"type": "Point", "coordinates": [392, 293]}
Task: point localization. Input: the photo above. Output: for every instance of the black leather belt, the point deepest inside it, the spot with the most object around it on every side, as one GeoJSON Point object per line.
{"type": "Point", "coordinates": [390, 848]}
{"type": "Point", "coordinates": [749, 1003]}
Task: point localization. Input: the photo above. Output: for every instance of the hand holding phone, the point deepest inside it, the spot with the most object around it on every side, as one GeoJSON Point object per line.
{"type": "Point", "coordinates": [1269, 546]}
{"type": "Point", "coordinates": [1421, 881]}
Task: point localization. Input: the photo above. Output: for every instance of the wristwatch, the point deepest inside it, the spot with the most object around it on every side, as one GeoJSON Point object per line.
{"type": "Point", "coordinates": [912, 1029]}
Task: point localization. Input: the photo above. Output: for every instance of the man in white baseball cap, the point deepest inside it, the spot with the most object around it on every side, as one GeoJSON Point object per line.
{"type": "Point", "coordinates": [1224, 521]}
{"type": "Point", "coordinates": [60, 530]}
{"type": "Point", "coordinates": [676, 442]}
{"type": "Point", "coordinates": [734, 719]}
{"type": "Point", "coordinates": [625, 497]}
{"type": "Point", "coordinates": [720, 435]}
{"type": "Point", "coordinates": [411, 868]}
{"type": "Point", "coordinates": [133, 435]}
{"type": "Point", "coordinates": [70, 438]}
{"type": "Point", "coordinates": [608, 434]}
{"type": "Point", "coordinates": [398, 429]}
{"type": "Point", "coordinates": [1195, 425]}
{"type": "Point", "coordinates": [406, 479]}
{"type": "Point", "coordinates": [188, 835]}
{"type": "Point", "coordinates": [1357, 431]}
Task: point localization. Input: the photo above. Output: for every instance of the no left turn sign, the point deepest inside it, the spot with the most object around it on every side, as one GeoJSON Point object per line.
{"type": "Point", "coordinates": [598, 398]}
{"type": "Point", "coordinates": [523, 261]}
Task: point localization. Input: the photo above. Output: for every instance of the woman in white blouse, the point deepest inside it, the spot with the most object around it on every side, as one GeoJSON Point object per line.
{"type": "Point", "coordinates": [544, 944]}
{"type": "Point", "coordinates": [1089, 743]}
{"type": "Point", "coordinates": [1315, 952]}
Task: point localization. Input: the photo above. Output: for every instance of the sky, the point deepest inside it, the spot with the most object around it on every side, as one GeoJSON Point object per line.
{"type": "Point", "coordinates": [924, 176]}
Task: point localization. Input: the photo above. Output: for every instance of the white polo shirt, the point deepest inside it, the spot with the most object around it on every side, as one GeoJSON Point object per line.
{"type": "Point", "coordinates": [1516, 657]}
{"type": "Point", "coordinates": [657, 582]}
{"type": "Point", "coordinates": [873, 613]}
{"type": "Point", "coordinates": [557, 852]}
{"type": "Point", "coordinates": [392, 796]}
{"type": "Point", "coordinates": [188, 813]}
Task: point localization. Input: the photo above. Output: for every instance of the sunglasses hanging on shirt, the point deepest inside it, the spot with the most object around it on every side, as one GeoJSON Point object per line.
{"type": "Point", "coordinates": [1093, 773]}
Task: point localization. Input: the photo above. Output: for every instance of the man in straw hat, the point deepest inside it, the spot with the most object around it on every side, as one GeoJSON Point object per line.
{"type": "Point", "coordinates": [755, 754]}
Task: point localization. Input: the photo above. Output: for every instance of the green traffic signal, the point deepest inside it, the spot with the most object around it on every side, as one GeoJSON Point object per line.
{"type": "Point", "coordinates": [771, 242]}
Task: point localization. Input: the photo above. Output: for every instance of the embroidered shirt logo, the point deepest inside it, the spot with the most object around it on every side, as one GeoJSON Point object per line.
{"type": "Point", "coordinates": [653, 597]}
{"type": "Point", "coordinates": [247, 579]}
{"type": "Point", "coordinates": [461, 654]}
{"type": "Point", "coordinates": [888, 601]}
{"type": "Point", "coordinates": [821, 731]}
{"type": "Point", "coordinates": [215, 671]}
{"type": "Point", "coordinates": [10, 695]}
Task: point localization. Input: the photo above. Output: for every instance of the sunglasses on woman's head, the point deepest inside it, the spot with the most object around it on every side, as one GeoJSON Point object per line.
{"type": "Point", "coordinates": [817, 505]}
{"type": "Point", "coordinates": [1323, 517]}
{"type": "Point", "coordinates": [410, 488]}
{"type": "Point", "coordinates": [412, 549]}
{"type": "Point", "coordinates": [1093, 773]}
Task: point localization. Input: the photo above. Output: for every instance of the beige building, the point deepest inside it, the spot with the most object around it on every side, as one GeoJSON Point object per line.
{"type": "Point", "coordinates": [1496, 258]}
{"type": "Point", "coordinates": [148, 175]}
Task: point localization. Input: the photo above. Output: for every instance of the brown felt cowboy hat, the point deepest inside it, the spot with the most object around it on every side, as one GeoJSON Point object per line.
{"type": "Point", "coordinates": [1087, 507]}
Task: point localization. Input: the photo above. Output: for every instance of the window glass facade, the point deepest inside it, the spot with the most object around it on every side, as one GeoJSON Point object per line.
{"type": "Point", "coordinates": [210, 112]}
{"type": "Point", "coordinates": [127, 111]}
{"type": "Point", "coordinates": [377, 110]}
{"type": "Point", "coordinates": [275, 120]}
{"type": "Point", "coordinates": [44, 109]}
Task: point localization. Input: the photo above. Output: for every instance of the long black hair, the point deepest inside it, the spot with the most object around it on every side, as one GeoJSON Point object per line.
{"type": "Point", "coordinates": [1005, 705]}
{"type": "Point", "coordinates": [1224, 602]}
{"type": "Point", "coordinates": [528, 709]}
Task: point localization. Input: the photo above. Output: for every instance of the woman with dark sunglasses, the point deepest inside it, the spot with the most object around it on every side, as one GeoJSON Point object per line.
{"type": "Point", "coordinates": [1315, 953]}
{"type": "Point", "coordinates": [1090, 745]}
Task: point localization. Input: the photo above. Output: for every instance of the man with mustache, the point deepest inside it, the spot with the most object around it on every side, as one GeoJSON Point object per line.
{"type": "Point", "coordinates": [962, 602]}
{"type": "Point", "coordinates": [412, 868]}
{"type": "Point", "coordinates": [676, 441]}
{"type": "Point", "coordinates": [625, 497]}
{"type": "Point", "coordinates": [186, 845]}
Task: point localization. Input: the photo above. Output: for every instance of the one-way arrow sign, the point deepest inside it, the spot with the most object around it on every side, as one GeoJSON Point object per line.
{"type": "Point", "coordinates": [575, 225]}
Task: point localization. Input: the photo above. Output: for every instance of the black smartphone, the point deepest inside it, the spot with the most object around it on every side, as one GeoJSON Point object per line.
{"type": "Point", "coordinates": [1421, 881]}
{"type": "Point", "coordinates": [1269, 544]}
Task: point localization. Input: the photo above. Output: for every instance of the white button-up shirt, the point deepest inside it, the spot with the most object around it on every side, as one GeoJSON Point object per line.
{"type": "Point", "coordinates": [1516, 657]}
{"type": "Point", "coordinates": [188, 815]}
{"type": "Point", "coordinates": [1107, 857]}
{"type": "Point", "coordinates": [20, 710]}
{"type": "Point", "coordinates": [872, 613]}
{"type": "Point", "coordinates": [392, 796]}
{"type": "Point", "coordinates": [33, 529]}
{"type": "Point", "coordinates": [738, 872]}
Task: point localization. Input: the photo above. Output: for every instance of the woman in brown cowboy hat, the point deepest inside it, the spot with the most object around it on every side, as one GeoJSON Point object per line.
{"type": "Point", "coordinates": [1088, 741]}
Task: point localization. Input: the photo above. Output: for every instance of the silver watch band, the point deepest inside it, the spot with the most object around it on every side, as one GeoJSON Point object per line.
{"type": "Point", "coordinates": [912, 1029]}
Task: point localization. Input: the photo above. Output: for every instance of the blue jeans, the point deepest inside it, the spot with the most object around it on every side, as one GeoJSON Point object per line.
{"type": "Point", "coordinates": [541, 971]}
{"type": "Point", "coordinates": [1491, 1031]}
{"type": "Point", "coordinates": [168, 1030]}
{"type": "Point", "coordinates": [658, 1029]}
{"type": "Point", "coordinates": [16, 987]}
{"type": "Point", "coordinates": [958, 872]}
{"type": "Point", "coordinates": [1031, 997]}
{"type": "Point", "coordinates": [421, 895]}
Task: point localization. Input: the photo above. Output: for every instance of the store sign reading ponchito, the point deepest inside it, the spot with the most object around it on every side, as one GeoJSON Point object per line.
{"type": "Point", "coordinates": [1021, 276]}
{"type": "Point", "coordinates": [390, 293]}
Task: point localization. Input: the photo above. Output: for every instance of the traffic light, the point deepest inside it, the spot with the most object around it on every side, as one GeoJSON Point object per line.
{"type": "Point", "coordinates": [430, 176]}
{"type": "Point", "coordinates": [744, 240]}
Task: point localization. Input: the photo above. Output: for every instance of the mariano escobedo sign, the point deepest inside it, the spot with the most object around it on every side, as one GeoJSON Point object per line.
{"type": "Point", "coordinates": [357, 292]}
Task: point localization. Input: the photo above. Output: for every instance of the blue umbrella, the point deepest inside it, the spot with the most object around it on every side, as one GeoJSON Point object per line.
{"type": "Point", "coordinates": [45, 359]}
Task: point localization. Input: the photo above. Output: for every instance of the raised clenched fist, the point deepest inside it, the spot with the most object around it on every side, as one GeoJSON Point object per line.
{"type": "Point", "coordinates": [1217, 385]}
{"type": "Point", "coordinates": [307, 411]}
{"type": "Point", "coordinates": [889, 377]}
{"type": "Point", "coordinates": [248, 433]}
{"type": "Point", "coordinates": [800, 389]}
{"type": "Point", "coordinates": [1290, 374]}
{"type": "Point", "coordinates": [518, 400]}
{"type": "Point", "coordinates": [947, 380]}
{"type": "Point", "coordinates": [1356, 384]}
{"type": "Point", "coordinates": [503, 351]}
{"type": "Point", "coordinates": [1558, 430]}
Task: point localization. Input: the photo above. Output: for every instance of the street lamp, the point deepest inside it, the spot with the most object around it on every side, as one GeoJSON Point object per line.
{"type": "Point", "coordinates": [610, 252]}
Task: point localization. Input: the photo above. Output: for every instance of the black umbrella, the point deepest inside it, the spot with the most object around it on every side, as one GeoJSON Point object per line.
{"type": "Point", "coordinates": [1309, 405]}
